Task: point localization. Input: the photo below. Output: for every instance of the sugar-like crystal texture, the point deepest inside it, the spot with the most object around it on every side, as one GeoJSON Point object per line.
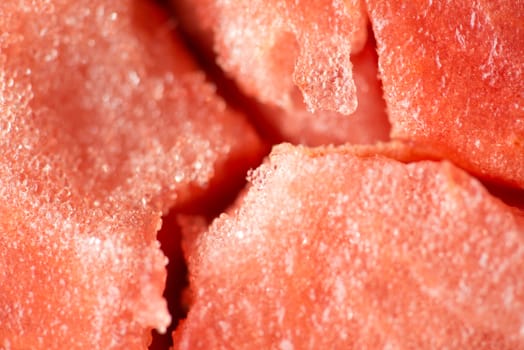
{"type": "Point", "coordinates": [105, 123]}
{"type": "Point", "coordinates": [343, 248]}
{"type": "Point", "coordinates": [453, 75]}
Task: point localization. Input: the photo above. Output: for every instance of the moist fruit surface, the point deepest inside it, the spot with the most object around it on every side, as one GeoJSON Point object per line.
{"type": "Point", "coordinates": [345, 248]}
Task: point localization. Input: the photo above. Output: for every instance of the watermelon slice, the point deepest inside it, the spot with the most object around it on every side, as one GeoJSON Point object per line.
{"type": "Point", "coordinates": [270, 48]}
{"type": "Point", "coordinates": [343, 248]}
{"type": "Point", "coordinates": [105, 123]}
{"type": "Point", "coordinates": [453, 75]}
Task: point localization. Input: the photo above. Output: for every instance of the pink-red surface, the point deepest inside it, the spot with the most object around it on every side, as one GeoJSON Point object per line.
{"type": "Point", "coordinates": [453, 75]}
{"type": "Point", "coordinates": [343, 248]}
{"type": "Point", "coordinates": [105, 124]}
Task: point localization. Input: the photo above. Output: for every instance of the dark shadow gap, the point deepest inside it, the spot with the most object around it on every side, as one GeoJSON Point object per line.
{"type": "Point", "coordinates": [222, 192]}
{"type": "Point", "coordinates": [513, 197]}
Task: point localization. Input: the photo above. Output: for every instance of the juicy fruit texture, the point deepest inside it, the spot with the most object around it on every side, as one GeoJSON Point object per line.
{"type": "Point", "coordinates": [105, 123]}
{"type": "Point", "coordinates": [453, 75]}
{"type": "Point", "coordinates": [343, 248]}
{"type": "Point", "coordinates": [367, 125]}
{"type": "Point", "coordinates": [290, 121]}
{"type": "Point", "coordinates": [270, 48]}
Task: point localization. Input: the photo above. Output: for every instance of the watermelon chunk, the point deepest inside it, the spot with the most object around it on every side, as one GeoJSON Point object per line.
{"type": "Point", "coordinates": [345, 248]}
{"type": "Point", "coordinates": [270, 48]}
{"type": "Point", "coordinates": [453, 75]}
{"type": "Point", "coordinates": [105, 123]}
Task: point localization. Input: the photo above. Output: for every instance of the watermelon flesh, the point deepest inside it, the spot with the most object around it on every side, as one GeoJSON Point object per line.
{"type": "Point", "coordinates": [456, 86]}
{"type": "Point", "coordinates": [206, 22]}
{"type": "Point", "coordinates": [452, 87]}
{"type": "Point", "coordinates": [105, 123]}
{"type": "Point", "coordinates": [346, 248]}
{"type": "Point", "coordinates": [273, 48]}
{"type": "Point", "coordinates": [367, 125]}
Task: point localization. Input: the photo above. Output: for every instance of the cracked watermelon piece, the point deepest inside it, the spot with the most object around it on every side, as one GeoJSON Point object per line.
{"type": "Point", "coordinates": [453, 75]}
{"type": "Point", "coordinates": [345, 248]}
{"type": "Point", "coordinates": [273, 48]}
{"type": "Point", "coordinates": [105, 123]}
